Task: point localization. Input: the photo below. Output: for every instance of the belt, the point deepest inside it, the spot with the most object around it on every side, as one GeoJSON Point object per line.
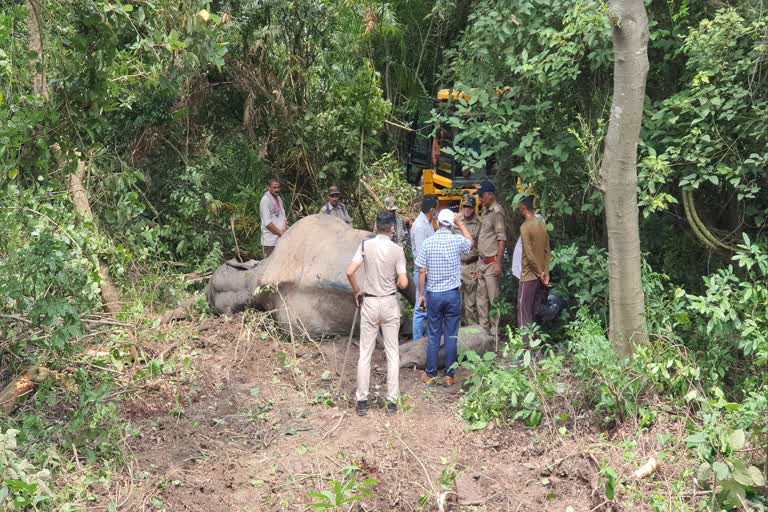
{"type": "Point", "coordinates": [492, 259]}
{"type": "Point", "coordinates": [378, 296]}
{"type": "Point", "coordinates": [446, 291]}
{"type": "Point", "coordinates": [469, 261]}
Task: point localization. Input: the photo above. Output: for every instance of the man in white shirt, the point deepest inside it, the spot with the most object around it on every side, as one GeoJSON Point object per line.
{"type": "Point", "coordinates": [273, 219]}
{"type": "Point", "coordinates": [420, 231]}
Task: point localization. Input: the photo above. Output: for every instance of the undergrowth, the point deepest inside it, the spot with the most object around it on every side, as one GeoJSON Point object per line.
{"type": "Point", "coordinates": [703, 368]}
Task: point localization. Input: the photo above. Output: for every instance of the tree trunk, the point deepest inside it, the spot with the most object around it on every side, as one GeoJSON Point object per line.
{"type": "Point", "coordinates": [618, 174]}
{"type": "Point", "coordinates": [109, 295]}
{"type": "Point", "coordinates": [35, 44]}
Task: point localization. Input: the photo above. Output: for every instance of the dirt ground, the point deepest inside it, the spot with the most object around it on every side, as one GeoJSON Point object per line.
{"type": "Point", "coordinates": [247, 423]}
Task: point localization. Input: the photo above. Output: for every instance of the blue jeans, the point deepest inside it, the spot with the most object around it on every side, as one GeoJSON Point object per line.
{"type": "Point", "coordinates": [419, 316]}
{"type": "Point", "coordinates": [444, 314]}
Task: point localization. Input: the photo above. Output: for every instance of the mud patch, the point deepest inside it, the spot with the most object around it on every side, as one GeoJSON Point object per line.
{"type": "Point", "coordinates": [255, 425]}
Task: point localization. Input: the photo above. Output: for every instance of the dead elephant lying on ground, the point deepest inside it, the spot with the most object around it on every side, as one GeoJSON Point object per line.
{"type": "Point", "coordinates": [472, 337]}
{"type": "Point", "coordinates": [304, 281]}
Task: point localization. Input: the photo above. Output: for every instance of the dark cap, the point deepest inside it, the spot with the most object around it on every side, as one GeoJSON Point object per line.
{"type": "Point", "coordinates": [468, 200]}
{"type": "Point", "coordinates": [333, 190]}
{"type": "Point", "coordinates": [486, 186]}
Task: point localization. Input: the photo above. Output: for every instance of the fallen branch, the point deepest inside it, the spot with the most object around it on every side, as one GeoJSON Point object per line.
{"type": "Point", "coordinates": [343, 414]}
{"type": "Point", "coordinates": [429, 480]}
{"type": "Point", "coordinates": [107, 322]}
{"type": "Point", "coordinates": [19, 388]}
{"type": "Point", "coordinates": [17, 318]}
{"type": "Point", "coordinates": [646, 469]}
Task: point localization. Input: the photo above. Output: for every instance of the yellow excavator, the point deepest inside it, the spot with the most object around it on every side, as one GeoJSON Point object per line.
{"type": "Point", "coordinates": [438, 173]}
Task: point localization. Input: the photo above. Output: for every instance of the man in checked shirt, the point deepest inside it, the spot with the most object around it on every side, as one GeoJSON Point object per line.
{"type": "Point", "coordinates": [440, 256]}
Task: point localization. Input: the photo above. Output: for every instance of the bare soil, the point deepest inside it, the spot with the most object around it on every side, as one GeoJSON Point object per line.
{"type": "Point", "coordinates": [249, 423]}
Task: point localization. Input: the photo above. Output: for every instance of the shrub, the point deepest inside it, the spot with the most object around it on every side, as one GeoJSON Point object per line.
{"type": "Point", "coordinates": [22, 486]}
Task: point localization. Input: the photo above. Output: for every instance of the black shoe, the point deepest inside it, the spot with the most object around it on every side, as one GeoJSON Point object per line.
{"type": "Point", "coordinates": [391, 409]}
{"type": "Point", "coordinates": [362, 408]}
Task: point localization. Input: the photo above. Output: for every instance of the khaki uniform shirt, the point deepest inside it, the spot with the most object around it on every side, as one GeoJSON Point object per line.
{"type": "Point", "coordinates": [536, 256]}
{"type": "Point", "coordinates": [473, 226]}
{"type": "Point", "coordinates": [339, 211]}
{"type": "Point", "coordinates": [383, 260]}
{"type": "Point", "coordinates": [492, 230]}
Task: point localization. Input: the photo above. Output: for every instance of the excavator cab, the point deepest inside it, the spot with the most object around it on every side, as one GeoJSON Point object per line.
{"type": "Point", "coordinates": [434, 170]}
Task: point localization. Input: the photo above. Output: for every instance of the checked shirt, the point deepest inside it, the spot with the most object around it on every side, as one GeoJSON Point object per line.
{"type": "Point", "coordinates": [441, 255]}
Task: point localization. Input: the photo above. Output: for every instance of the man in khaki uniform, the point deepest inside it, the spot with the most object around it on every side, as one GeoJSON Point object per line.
{"type": "Point", "coordinates": [469, 262]}
{"type": "Point", "coordinates": [490, 246]}
{"type": "Point", "coordinates": [384, 263]}
{"type": "Point", "coordinates": [334, 207]}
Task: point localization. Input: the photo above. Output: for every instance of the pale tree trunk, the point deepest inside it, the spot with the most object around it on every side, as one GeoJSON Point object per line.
{"type": "Point", "coordinates": [109, 295]}
{"type": "Point", "coordinates": [35, 44]}
{"type": "Point", "coordinates": [618, 174]}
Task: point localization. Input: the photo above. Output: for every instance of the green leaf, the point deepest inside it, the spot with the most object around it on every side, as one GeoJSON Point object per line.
{"type": "Point", "coordinates": [704, 474]}
{"type": "Point", "coordinates": [694, 440]}
{"type": "Point", "coordinates": [722, 471]}
{"type": "Point", "coordinates": [742, 474]}
{"type": "Point", "coordinates": [757, 476]}
{"type": "Point", "coordinates": [733, 493]}
{"type": "Point", "coordinates": [737, 440]}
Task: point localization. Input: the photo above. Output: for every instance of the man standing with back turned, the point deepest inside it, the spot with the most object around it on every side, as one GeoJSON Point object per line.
{"type": "Point", "coordinates": [273, 219]}
{"type": "Point", "coordinates": [384, 263]}
{"type": "Point", "coordinates": [441, 258]}
{"type": "Point", "coordinates": [490, 247]}
{"type": "Point", "coordinates": [534, 279]}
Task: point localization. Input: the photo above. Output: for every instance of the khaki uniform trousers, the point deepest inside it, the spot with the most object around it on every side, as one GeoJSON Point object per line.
{"type": "Point", "coordinates": [469, 292]}
{"type": "Point", "coordinates": [379, 313]}
{"type": "Point", "coordinates": [487, 292]}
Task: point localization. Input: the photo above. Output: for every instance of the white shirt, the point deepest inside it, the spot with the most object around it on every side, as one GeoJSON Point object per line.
{"type": "Point", "coordinates": [420, 231]}
{"type": "Point", "coordinates": [271, 211]}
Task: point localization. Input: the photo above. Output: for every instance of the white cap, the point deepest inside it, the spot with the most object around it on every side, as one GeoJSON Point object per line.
{"type": "Point", "coordinates": [445, 217]}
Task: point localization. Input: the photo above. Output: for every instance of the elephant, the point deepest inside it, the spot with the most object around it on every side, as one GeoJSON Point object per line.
{"type": "Point", "coordinates": [303, 281]}
{"type": "Point", "coordinates": [471, 337]}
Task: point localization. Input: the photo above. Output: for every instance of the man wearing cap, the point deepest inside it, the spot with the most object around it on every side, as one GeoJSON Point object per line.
{"type": "Point", "coordinates": [420, 231]}
{"type": "Point", "coordinates": [400, 236]}
{"type": "Point", "coordinates": [491, 241]}
{"type": "Point", "coordinates": [469, 262]}
{"type": "Point", "coordinates": [441, 258]}
{"type": "Point", "coordinates": [384, 263]}
{"type": "Point", "coordinates": [273, 219]}
{"type": "Point", "coordinates": [335, 207]}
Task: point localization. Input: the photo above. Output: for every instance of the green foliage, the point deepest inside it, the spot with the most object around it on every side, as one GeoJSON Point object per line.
{"type": "Point", "coordinates": [609, 479]}
{"type": "Point", "coordinates": [625, 388]}
{"type": "Point", "coordinates": [342, 494]}
{"type": "Point", "coordinates": [22, 486]}
{"type": "Point", "coordinates": [386, 179]}
{"type": "Point", "coordinates": [48, 268]}
{"type": "Point", "coordinates": [720, 441]}
{"type": "Point", "coordinates": [526, 78]}
{"type": "Point", "coordinates": [734, 308]}
{"type": "Point", "coordinates": [510, 385]}
{"type": "Point", "coordinates": [581, 277]}
{"type": "Point", "coordinates": [713, 130]}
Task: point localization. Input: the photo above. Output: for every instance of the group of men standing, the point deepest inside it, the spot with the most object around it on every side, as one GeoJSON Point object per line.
{"type": "Point", "coordinates": [453, 272]}
{"type": "Point", "coordinates": [481, 269]}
